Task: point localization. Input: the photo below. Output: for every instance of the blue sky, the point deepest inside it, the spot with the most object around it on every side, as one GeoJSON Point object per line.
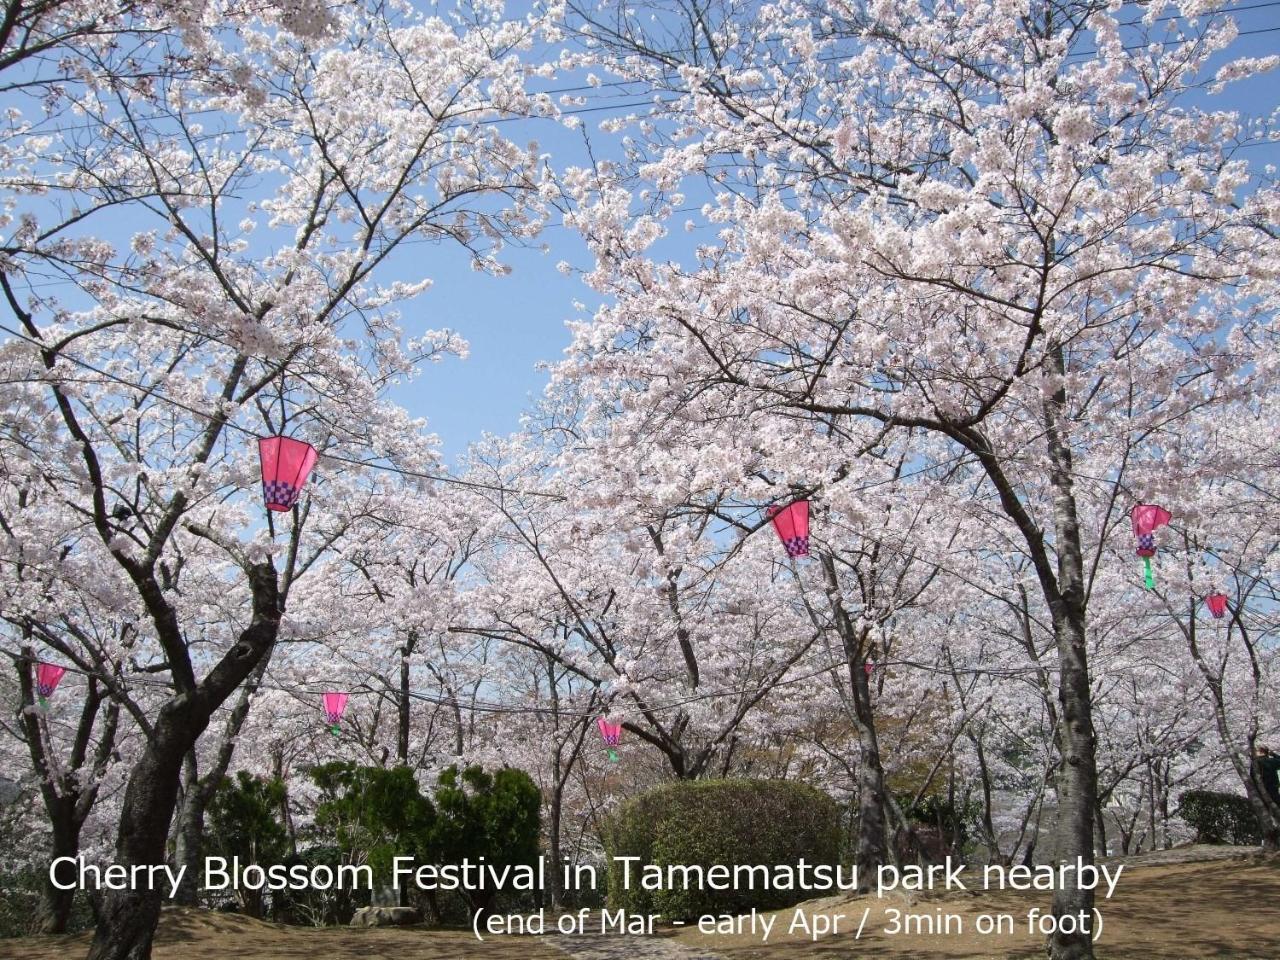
{"type": "Point", "coordinates": [516, 322]}
{"type": "Point", "coordinates": [513, 323]}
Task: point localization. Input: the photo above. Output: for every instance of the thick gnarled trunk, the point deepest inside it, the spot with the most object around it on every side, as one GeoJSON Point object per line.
{"type": "Point", "coordinates": [56, 903]}
{"type": "Point", "coordinates": [127, 918]}
{"type": "Point", "coordinates": [197, 791]}
{"type": "Point", "coordinates": [127, 921]}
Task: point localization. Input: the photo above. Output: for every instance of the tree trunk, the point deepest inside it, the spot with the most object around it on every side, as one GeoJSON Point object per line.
{"type": "Point", "coordinates": [987, 823]}
{"type": "Point", "coordinates": [555, 890]}
{"type": "Point", "coordinates": [1166, 841]}
{"type": "Point", "coordinates": [1099, 830]}
{"type": "Point", "coordinates": [1077, 777]}
{"type": "Point", "coordinates": [402, 702]}
{"type": "Point", "coordinates": [402, 718]}
{"type": "Point", "coordinates": [198, 792]}
{"type": "Point", "coordinates": [189, 836]}
{"type": "Point", "coordinates": [128, 920]}
{"type": "Point", "coordinates": [1152, 802]}
{"type": "Point", "coordinates": [872, 850]}
{"type": "Point", "coordinates": [1076, 782]}
{"type": "Point", "coordinates": [55, 904]}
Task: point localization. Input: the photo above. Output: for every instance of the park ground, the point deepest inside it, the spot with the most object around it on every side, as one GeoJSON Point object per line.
{"type": "Point", "coordinates": [1197, 902]}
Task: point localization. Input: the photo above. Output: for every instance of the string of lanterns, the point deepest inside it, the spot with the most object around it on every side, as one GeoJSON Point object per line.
{"type": "Point", "coordinates": [286, 465]}
{"type": "Point", "coordinates": [1146, 519]}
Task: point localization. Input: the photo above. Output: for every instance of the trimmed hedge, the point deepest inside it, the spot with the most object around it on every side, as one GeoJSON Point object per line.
{"type": "Point", "coordinates": [1220, 817]}
{"type": "Point", "coordinates": [729, 822]}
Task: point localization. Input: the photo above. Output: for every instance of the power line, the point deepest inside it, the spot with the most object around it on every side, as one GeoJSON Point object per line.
{"type": "Point", "coordinates": [231, 425]}
{"type": "Point", "coordinates": [494, 707]}
{"type": "Point", "coordinates": [885, 481]}
{"type": "Point", "coordinates": [839, 58]}
{"type": "Point", "coordinates": [657, 101]}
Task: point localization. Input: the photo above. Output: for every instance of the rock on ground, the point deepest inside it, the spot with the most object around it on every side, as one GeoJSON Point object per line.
{"type": "Point", "coordinates": [385, 917]}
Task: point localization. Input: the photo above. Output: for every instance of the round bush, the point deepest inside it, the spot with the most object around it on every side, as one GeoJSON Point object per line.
{"type": "Point", "coordinates": [729, 822]}
{"type": "Point", "coordinates": [1220, 817]}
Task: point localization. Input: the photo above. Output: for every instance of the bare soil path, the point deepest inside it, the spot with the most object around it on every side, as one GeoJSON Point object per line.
{"type": "Point", "coordinates": [623, 947]}
{"type": "Point", "coordinates": [204, 935]}
{"type": "Point", "coordinates": [1187, 904]}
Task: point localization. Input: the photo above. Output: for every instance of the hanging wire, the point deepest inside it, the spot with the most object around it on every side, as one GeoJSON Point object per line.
{"type": "Point", "coordinates": [869, 485]}
{"type": "Point", "coordinates": [230, 425]}
{"type": "Point", "coordinates": [36, 128]}
{"type": "Point", "coordinates": [314, 689]}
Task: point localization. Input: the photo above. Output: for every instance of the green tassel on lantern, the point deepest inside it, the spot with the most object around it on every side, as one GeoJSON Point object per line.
{"type": "Point", "coordinates": [613, 756]}
{"type": "Point", "coordinates": [44, 704]}
{"type": "Point", "coordinates": [1150, 574]}
{"type": "Point", "coordinates": [335, 730]}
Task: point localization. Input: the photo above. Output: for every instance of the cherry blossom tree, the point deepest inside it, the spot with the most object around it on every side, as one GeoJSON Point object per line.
{"type": "Point", "coordinates": [622, 586]}
{"type": "Point", "coordinates": [150, 366]}
{"type": "Point", "coordinates": [71, 772]}
{"type": "Point", "coordinates": [1015, 230]}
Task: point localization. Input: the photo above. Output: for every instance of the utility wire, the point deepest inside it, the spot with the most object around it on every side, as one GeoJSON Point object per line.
{"type": "Point", "coordinates": [493, 707]}
{"type": "Point", "coordinates": [869, 485]}
{"type": "Point", "coordinates": [231, 425]}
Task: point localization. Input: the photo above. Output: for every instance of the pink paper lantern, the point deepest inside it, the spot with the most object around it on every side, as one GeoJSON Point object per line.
{"type": "Point", "coordinates": [869, 667]}
{"type": "Point", "coordinates": [609, 732]}
{"type": "Point", "coordinates": [335, 705]}
{"type": "Point", "coordinates": [1217, 604]}
{"type": "Point", "coordinates": [792, 524]}
{"type": "Point", "coordinates": [47, 678]}
{"type": "Point", "coordinates": [286, 463]}
{"type": "Point", "coordinates": [1146, 519]}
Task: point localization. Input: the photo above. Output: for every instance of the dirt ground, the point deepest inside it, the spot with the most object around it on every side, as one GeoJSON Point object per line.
{"type": "Point", "coordinates": [1181, 905]}
{"type": "Point", "coordinates": [203, 935]}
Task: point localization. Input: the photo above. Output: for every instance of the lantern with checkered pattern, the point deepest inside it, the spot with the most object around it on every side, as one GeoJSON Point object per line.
{"type": "Point", "coordinates": [47, 677]}
{"type": "Point", "coordinates": [792, 524]}
{"type": "Point", "coordinates": [610, 733]}
{"type": "Point", "coordinates": [335, 705]}
{"type": "Point", "coordinates": [286, 463]}
{"type": "Point", "coordinates": [1146, 519]}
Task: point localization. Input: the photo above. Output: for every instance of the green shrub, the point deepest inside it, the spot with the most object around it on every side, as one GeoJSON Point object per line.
{"type": "Point", "coordinates": [373, 814]}
{"type": "Point", "coordinates": [369, 815]}
{"type": "Point", "coordinates": [1220, 817]}
{"type": "Point", "coordinates": [494, 816]}
{"type": "Point", "coordinates": [244, 820]}
{"type": "Point", "coordinates": [315, 907]}
{"type": "Point", "coordinates": [729, 822]}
